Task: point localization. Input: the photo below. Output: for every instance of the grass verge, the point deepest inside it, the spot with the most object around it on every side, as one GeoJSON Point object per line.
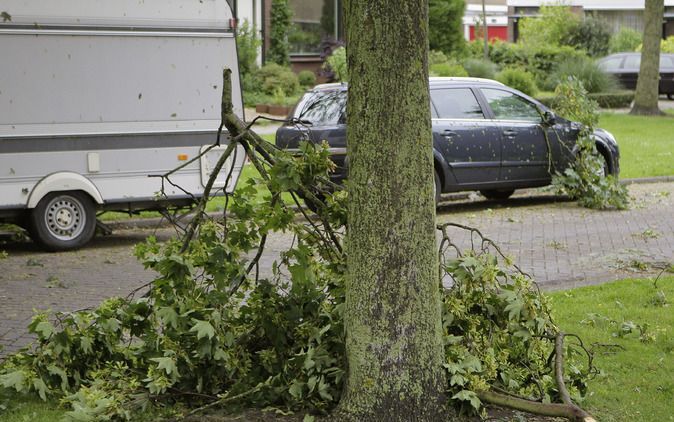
{"type": "Point", "coordinates": [636, 382]}
{"type": "Point", "coordinates": [646, 144]}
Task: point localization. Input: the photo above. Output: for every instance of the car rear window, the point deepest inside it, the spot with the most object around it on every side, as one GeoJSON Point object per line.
{"type": "Point", "coordinates": [322, 108]}
{"type": "Point", "coordinates": [632, 62]}
{"type": "Point", "coordinates": [611, 64]}
{"type": "Point", "coordinates": [666, 61]}
{"type": "Point", "coordinates": [456, 103]}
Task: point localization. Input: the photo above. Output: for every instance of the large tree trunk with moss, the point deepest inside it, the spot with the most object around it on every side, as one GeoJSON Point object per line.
{"type": "Point", "coordinates": [392, 315]}
{"type": "Point", "coordinates": [646, 96]}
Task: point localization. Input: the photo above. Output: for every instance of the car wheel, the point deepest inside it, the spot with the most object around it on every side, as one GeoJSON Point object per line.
{"type": "Point", "coordinates": [437, 188]}
{"type": "Point", "coordinates": [63, 221]}
{"type": "Point", "coordinates": [670, 96]}
{"type": "Point", "coordinates": [604, 171]}
{"type": "Point", "coordinates": [497, 194]}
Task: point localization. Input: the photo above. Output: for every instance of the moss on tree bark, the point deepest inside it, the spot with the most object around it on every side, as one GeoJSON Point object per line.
{"type": "Point", "coordinates": [646, 95]}
{"type": "Point", "coordinates": [392, 316]}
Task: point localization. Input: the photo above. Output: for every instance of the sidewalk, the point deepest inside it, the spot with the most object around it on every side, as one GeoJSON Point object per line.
{"type": "Point", "coordinates": [560, 244]}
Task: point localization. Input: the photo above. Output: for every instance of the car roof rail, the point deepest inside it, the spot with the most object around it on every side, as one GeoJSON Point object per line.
{"type": "Point", "coordinates": [464, 79]}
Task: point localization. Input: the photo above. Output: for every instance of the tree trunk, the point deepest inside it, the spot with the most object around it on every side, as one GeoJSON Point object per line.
{"type": "Point", "coordinates": [392, 316]}
{"type": "Point", "coordinates": [646, 96]}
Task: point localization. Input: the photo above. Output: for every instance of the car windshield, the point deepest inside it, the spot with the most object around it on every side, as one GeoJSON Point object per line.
{"type": "Point", "coordinates": [322, 108]}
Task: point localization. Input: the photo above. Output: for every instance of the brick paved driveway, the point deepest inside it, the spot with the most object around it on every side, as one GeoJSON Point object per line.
{"type": "Point", "coordinates": [560, 244]}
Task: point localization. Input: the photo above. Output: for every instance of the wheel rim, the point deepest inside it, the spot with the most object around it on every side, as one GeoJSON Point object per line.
{"type": "Point", "coordinates": [65, 217]}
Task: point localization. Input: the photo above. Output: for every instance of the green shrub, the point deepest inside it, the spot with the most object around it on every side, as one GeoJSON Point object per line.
{"type": "Point", "coordinates": [519, 79]}
{"type": "Point", "coordinates": [247, 44]}
{"type": "Point", "coordinates": [619, 99]}
{"type": "Point", "coordinates": [667, 46]}
{"type": "Point", "coordinates": [448, 69]}
{"type": "Point", "coordinates": [306, 78]}
{"type": "Point", "coordinates": [551, 28]}
{"type": "Point", "coordinates": [336, 62]}
{"type": "Point", "coordinates": [542, 60]}
{"type": "Point", "coordinates": [436, 57]}
{"type": "Point", "coordinates": [272, 76]}
{"type": "Point", "coordinates": [592, 35]}
{"type": "Point", "coordinates": [627, 39]}
{"type": "Point", "coordinates": [478, 68]}
{"type": "Point", "coordinates": [445, 29]}
{"type": "Point", "coordinates": [279, 49]}
{"type": "Point", "coordinates": [586, 71]}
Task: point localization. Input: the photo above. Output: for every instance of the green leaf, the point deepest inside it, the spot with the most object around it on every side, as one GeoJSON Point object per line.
{"type": "Point", "coordinates": [295, 389]}
{"type": "Point", "coordinates": [168, 364]}
{"type": "Point", "coordinates": [308, 418]}
{"type": "Point", "coordinates": [469, 396]}
{"type": "Point", "coordinates": [203, 329]}
{"type": "Point", "coordinates": [15, 380]}
{"type": "Point", "coordinates": [168, 316]}
{"type": "Point", "coordinates": [41, 388]}
{"type": "Point", "coordinates": [44, 329]}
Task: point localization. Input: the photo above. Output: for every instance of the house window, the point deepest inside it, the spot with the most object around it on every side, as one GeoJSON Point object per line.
{"type": "Point", "coordinates": [314, 22]}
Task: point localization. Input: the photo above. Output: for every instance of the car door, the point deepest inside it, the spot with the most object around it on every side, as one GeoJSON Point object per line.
{"type": "Point", "coordinates": [525, 148]}
{"type": "Point", "coordinates": [464, 138]}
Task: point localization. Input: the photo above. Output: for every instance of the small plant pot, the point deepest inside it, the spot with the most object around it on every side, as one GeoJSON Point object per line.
{"type": "Point", "coordinates": [262, 108]}
{"type": "Point", "coordinates": [278, 110]}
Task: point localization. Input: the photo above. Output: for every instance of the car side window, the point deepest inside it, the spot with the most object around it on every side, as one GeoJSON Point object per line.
{"type": "Point", "coordinates": [611, 64]}
{"type": "Point", "coordinates": [632, 62]}
{"type": "Point", "coordinates": [456, 103]}
{"type": "Point", "coordinates": [509, 106]}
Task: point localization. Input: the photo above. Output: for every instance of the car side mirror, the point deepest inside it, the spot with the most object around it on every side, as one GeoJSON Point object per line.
{"type": "Point", "coordinates": [549, 118]}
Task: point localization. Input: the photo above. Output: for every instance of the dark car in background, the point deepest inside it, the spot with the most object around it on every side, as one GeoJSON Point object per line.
{"type": "Point", "coordinates": [486, 136]}
{"type": "Point", "coordinates": [625, 67]}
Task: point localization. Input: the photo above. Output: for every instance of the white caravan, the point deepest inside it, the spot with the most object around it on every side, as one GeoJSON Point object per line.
{"type": "Point", "coordinates": [96, 96]}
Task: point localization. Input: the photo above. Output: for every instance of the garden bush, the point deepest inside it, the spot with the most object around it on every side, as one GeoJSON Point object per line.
{"type": "Point", "coordinates": [618, 99]}
{"type": "Point", "coordinates": [519, 79]}
{"type": "Point", "coordinates": [627, 39]}
{"type": "Point", "coordinates": [667, 46]}
{"type": "Point", "coordinates": [447, 69]}
{"type": "Point", "coordinates": [591, 35]}
{"type": "Point", "coordinates": [306, 78]}
{"type": "Point", "coordinates": [247, 44]}
{"type": "Point", "coordinates": [585, 70]}
{"type": "Point", "coordinates": [552, 27]}
{"type": "Point", "coordinates": [479, 68]}
{"type": "Point", "coordinates": [272, 76]}
{"type": "Point", "coordinates": [436, 57]}
{"type": "Point", "coordinates": [336, 62]}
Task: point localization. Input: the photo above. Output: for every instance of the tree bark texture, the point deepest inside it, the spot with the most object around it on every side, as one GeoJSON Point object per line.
{"type": "Point", "coordinates": [392, 315]}
{"type": "Point", "coordinates": [646, 95]}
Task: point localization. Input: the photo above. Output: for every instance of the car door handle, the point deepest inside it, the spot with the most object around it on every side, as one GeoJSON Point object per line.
{"type": "Point", "coordinates": [448, 133]}
{"type": "Point", "coordinates": [510, 133]}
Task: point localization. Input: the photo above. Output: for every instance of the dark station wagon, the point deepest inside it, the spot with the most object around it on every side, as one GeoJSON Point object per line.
{"type": "Point", "coordinates": [626, 66]}
{"type": "Point", "coordinates": [486, 136]}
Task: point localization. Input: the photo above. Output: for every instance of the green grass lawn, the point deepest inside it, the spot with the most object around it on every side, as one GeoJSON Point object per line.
{"type": "Point", "coordinates": [646, 144]}
{"type": "Point", "coordinates": [637, 383]}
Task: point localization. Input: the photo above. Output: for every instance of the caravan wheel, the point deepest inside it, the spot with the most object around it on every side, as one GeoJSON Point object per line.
{"type": "Point", "coordinates": [63, 221]}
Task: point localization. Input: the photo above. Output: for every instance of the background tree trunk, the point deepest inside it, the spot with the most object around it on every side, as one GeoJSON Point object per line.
{"type": "Point", "coordinates": [646, 96]}
{"type": "Point", "coordinates": [392, 316]}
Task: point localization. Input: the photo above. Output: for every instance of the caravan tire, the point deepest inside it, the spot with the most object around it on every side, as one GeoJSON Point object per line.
{"type": "Point", "coordinates": [63, 221]}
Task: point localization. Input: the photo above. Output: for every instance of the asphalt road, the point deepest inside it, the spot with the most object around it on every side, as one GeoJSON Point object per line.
{"type": "Point", "coordinates": [560, 244]}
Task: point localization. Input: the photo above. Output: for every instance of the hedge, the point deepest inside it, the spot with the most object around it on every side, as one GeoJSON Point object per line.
{"type": "Point", "coordinates": [619, 99]}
